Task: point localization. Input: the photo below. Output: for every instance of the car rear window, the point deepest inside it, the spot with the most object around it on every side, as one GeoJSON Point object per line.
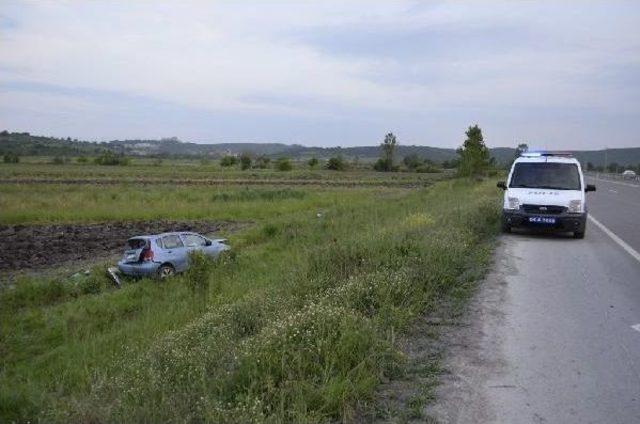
{"type": "Point", "coordinates": [136, 243]}
{"type": "Point", "coordinates": [171, 242]}
{"type": "Point", "coordinates": [551, 175]}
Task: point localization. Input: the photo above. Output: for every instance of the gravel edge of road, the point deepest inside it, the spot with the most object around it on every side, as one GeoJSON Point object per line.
{"type": "Point", "coordinates": [472, 352]}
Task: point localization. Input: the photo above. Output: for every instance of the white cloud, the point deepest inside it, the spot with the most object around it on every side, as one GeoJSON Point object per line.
{"type": "Point", "coordinates": [221, 56]}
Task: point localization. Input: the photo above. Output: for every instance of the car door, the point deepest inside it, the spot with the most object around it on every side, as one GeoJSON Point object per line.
{"type": "Point", "coordinates": [175, 251]}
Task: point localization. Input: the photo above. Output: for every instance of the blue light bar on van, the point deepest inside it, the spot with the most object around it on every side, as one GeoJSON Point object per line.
{"type": "Point", "coordinates": [538, 154]}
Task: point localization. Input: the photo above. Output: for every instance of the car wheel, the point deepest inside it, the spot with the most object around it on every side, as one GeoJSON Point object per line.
{"type": "Point", "coordinates": [578, 234]}
{"type": "Point", "coordinates": [506, 228]}
{"type": "Point", "coordinates": [165, 271]}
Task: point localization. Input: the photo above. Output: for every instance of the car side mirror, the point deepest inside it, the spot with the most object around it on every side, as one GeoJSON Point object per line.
{"type": "Point", "coordinates": [502, 185]}
{"type": "Point", "coordinates": [208, 243]}
{"type": "Point", "coordinates": [590, 187]}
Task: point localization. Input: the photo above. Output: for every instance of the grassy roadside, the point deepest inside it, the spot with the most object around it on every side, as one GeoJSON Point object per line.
{"type": "Point", "coordinates": [299, 325]}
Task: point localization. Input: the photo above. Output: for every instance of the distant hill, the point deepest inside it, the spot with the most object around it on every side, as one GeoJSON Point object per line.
{"type": "Point", "coordinates": [25, 144]}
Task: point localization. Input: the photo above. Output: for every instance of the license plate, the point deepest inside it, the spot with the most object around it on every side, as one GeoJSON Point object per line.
{"type": "Point", "coordinates": [542, 220]}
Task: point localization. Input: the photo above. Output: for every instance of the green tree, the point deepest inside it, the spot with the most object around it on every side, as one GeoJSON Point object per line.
{"type": "Point", "coordinates": [284, 164]}
{"type": "Point", "coordinates": [474, 155]}
{"type": "Point", "coordinates": [313, 162]}
{"type": "Point", "coordinates": [336, 163]}
{"type": "Point", "coordinates": [522, 148]}
{"type": "Point", "coordinates": [387, 153]}
{"type": "Point", "coordinates": [590, 166]}
{"type": "Point", "coordinates": [613, 167]}
{"type": "Point", "coordinates": [227, 161]}
{"type": "Point", "coordinates": [245, 161]}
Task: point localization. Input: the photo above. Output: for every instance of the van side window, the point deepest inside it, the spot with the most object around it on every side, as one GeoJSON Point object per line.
{"type": "Point", "coordinates": [171, 242]}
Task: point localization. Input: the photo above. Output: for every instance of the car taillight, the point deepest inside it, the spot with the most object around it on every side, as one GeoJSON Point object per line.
{"type": "Point", "coordinates": [146, 255]}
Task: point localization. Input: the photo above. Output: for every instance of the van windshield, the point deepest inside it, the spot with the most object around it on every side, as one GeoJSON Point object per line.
{"type": "Point", "coordinates": [551, 175]}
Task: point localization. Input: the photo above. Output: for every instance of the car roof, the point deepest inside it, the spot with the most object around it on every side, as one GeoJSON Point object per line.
{"type": "Point", "coordinates": [173, 233]}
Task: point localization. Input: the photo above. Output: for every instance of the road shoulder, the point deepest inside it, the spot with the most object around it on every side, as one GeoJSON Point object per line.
{"type": "Point", "coordinates": [474, 351]}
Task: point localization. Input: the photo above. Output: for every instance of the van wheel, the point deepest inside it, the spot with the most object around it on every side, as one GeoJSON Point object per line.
{"type": "Point", "coordinates": [578, 234]}
{"type": "Point", "coordinates": [165, 271]}
{"type": "Point", "coordinates": [506, 228]}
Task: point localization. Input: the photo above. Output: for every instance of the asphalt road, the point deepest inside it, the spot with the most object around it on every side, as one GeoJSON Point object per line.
{"type": "Point", "coordinates": [616, 204]}
{"type": "Point", "coordinates": [554, 334]}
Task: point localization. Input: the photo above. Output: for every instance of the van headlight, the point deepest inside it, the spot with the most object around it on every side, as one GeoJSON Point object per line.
{"type": "Point", "coordinates": [575, 206]}
{"type": "Point", "coordinates": [513, 203]}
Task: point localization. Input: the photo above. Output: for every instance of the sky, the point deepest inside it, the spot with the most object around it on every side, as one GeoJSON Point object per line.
{"type": "Point", "coordinates": [554, 74]}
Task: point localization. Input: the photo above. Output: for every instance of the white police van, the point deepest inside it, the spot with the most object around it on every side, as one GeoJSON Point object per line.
{"type": "Point", "coordinates": [546, 190]}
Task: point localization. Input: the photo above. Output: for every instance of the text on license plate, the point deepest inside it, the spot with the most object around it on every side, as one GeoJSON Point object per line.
{"type": "Point", "coordinates": [542, 220]}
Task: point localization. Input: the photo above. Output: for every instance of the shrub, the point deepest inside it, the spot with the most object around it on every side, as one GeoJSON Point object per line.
{"type": "Point", "coordinates": [11, 158]}
{"type": "Point", "coordinates": [57, 160]}
{"type": "Point", "coordinates": [284, 164]}
{"type": "Point", "coordinates": [336, 163]}
{"type": "Point", "coordinates": [412, 161]}
{"type": "Point", "coordinates": [384, 165]}
{"type": "Point", "coordinates": [313, 162]}
{"type": "Point", "coordinates": [111, 159]}
{"type": "Point", "coordinates": [245, 161]}
{"type": "Point", "coordinates": [262, 162]}
{"type": "Point", "coordinates": [82, 159]}
{"type": "Point", "coordinates": [198, 276]}
{"type": "Point", "coordinates": [270, 230]}
{"type": "Point", "coordinates": [227, 161]}
{"type": "Point", "coordinates": [427, 168]}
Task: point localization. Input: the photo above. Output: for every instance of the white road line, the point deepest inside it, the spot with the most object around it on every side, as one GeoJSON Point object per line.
{"type": "Point", "coordinates": [614, 182]}
{"type": "Point", "coordinates": [630, 250]}
{"type": "Point", "coordinates": [636, 327]}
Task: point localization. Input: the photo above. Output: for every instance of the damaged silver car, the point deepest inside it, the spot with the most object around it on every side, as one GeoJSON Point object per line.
{"type": "Point", "coordinates": [164, 255]}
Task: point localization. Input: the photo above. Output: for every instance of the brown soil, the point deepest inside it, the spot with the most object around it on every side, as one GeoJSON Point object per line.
{"type": "Point", "coordinates": [30, 247]}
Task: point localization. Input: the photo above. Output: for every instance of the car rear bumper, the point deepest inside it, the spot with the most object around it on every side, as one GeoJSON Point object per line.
{"type": "Point", "coordinates": [138, 269]}
{"type": "Point", "coordinates": [563, 222]}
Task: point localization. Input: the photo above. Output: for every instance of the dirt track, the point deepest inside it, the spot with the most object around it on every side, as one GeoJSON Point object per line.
{"type": "Point", "coordinates": [26, 247]}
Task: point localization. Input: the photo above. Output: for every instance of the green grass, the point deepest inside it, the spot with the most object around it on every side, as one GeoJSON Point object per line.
{"type": "Point", "coordinates": [43, 203]}
{"type": "Point", "coordinates": [183, 170]}
{"type": "Point", "coordinates": [298, 325]}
